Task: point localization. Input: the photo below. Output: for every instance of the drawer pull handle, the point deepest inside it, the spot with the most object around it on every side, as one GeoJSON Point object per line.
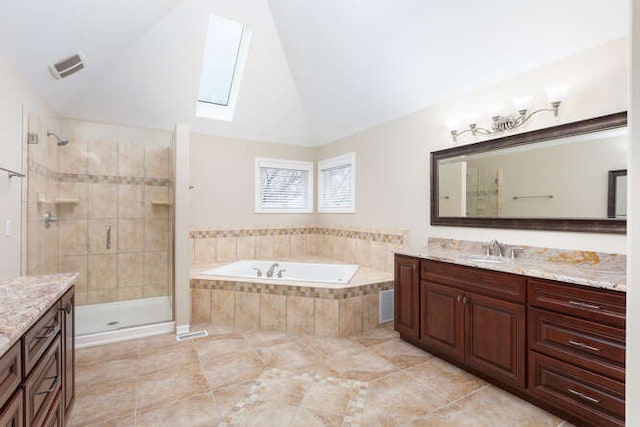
{"type": "Point", "coordinates": [54, 384]}
{"type": "Point", "coordinates": [583, 396]}
{"type": "Point", "coordinates": [66, 308]}
{"type": "Point", "coordinates": [51, 329]}
{"type": "Point", "coordinates": [583, 345]}
{"type": "Point", "coordinates": [584, 305]}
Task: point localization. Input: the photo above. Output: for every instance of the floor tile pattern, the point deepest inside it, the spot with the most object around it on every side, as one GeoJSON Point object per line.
{"type": "Point", "coordinates": [243, 377]}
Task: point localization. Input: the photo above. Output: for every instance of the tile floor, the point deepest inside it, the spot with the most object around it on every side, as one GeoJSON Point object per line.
{"type": "Point", "coordinates": [258, 378]}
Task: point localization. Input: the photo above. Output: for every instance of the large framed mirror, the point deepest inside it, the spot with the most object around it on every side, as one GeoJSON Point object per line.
{"type": "Point", "coordinates": [557, 178]}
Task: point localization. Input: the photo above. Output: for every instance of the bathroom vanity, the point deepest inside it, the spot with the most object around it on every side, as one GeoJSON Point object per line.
{"type": "Point", "coordinates": [556, 344]}
{"type": "Point", "coordinates": [37, 350]}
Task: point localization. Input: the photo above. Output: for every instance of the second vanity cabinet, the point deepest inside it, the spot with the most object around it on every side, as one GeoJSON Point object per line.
{"type": "Point", "coordinates": [558, 345]}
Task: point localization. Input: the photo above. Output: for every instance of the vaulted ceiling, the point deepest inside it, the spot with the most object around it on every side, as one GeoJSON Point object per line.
{"type": "Point", "coordinates": [316, 70]}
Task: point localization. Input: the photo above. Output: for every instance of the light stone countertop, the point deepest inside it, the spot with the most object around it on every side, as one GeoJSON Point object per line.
{"type": "Point", "coordinates": [25, 299]}
{"type": "Point", "coordinates": [565, 270]}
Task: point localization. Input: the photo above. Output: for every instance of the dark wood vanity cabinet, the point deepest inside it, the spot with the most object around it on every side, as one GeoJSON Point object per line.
{"type": "Point", "coordinates": [484, 332]}
{"type": "Point", "coordinates": [406, 294]}
{"type": "Point", "coordinates": [37, 373]}
{"type": "Point", "coordinates": [558, 345]}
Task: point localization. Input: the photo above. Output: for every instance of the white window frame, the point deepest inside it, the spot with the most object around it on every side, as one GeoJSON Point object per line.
{"type": "Point", "coordinates": [345, 159]}
{"type": "Point", "coordinates": [208, 110]}
{"type": "Point", "coordinates": [263, 162]}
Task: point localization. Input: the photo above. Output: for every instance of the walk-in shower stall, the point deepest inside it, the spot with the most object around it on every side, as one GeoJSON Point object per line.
{"type": "Point", "coordinates": [99, 202]}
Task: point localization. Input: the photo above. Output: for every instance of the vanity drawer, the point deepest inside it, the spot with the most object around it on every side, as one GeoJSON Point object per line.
{"type": "Point", "coordinates": [10, 372]}
{"type": "Point", "coordinates": [43, 385]}
{"type": "Point", "coordinates": [505, 286]}
{"type": "Point", "coordinates": [591, 304]}
{"type": "Point", "coordinates": [596, 399]}
{"type": "Point", "coordinates": [590, 345]}
{"type": "Point", "coordinates": [37, 339]}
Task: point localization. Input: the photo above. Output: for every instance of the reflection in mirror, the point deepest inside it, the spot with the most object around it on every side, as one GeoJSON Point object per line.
{"type": "Point", "coordinates": [551, 179]}
{"type": "Point", "coordinates": [562, 178]}
{"type": "Point", "coordinates": [617, 198]}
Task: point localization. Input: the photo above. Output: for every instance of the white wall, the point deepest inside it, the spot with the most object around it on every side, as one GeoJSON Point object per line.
{"type": "Point", "coordinates": [222, 174]}
{"type": "Point", "coordinates": [16, 93]}
{"type": "Point", "coordinates": [633, 267]}
{"type": "Point", "coordinates": [392, 159]}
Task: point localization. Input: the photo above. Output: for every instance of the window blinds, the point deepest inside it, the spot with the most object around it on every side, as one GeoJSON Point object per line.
{"type": "Point", "coordinates": [336, 185]}
{"type": "Point", "coordinates": [282, 188]}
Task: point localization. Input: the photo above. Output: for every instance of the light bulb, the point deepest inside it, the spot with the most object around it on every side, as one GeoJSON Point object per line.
{"type": "Point", "coordinates": [522, 102]}
{"type": "Point", "coordinates": [556, 93]}
{"type": "Point", "coordinates": [496, 110]}
{"type": "Point", "coordinates": [453, 124]}
{"type": "Point", "coordinates": [471, 118]}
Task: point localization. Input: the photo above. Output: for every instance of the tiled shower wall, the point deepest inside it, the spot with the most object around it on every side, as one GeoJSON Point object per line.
{"type": "Point", "coordinates": [115, 181]}
{"type": "Point", "coordinates": [366, 247]}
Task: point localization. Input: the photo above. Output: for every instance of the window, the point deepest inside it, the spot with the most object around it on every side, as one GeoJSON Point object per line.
{"type": "Point", "coordinates": [283, 186]}
{"type": "Point", "coordinates": [337, 184]}
{"type": "Point", "coordinates": [225, 53]}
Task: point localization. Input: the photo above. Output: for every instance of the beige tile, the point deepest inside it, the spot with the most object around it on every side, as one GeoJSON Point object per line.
{"type": "Point", "coordinates": [329, 244]}
{"type": "Point", "coordinates": [273, 312]}
{"type": "Point", "coordinates": [246, 247]}
{"type": "Point", "coordinates": [225, 249]}
{"type": "Point", "coordinates": [247, 310]}
{"type": "Point", "coordinates": [361, 366]}
{"type": "Point", "coordinates": [103, 157]}
{"type": "Point", "coordinates": [98, 236]}
{"type": "Point", "coordinates": [82, 298]}
{"type": "Point", "coordinates": [170, 385]}
{"type": "Point", "coordinates": [400, 353]}
{"type": "Point", "coordinates": [113, 369]}
{"type": "Point", "coordinates": [276, 413]}
{"type": "Point", "coordinates": [155, 291]}
{"type": "Point", "coordinates": [451, 415]}
{"type": "Point", "coordinates": [350, 316]}
{"type": "Point", "coordinates": [104, 401]}
{"type": "Point", "coordinates": [103, 201]}
{"type": "Point", "coordinates": [349, 251]}
{"type": "Point", "coordinates": [73, 190]}
{"type": "Point", "coordinates": [102, 296]}
{"type": "Point", "coordinates": [130, 201]}
{"type": "Point", "coordinates": [300, 312]}
{"type": "Point", "coordinates": [312, 244]}
{"type": "Point", "coordinates": [156, 160]}
{"type": "Point", "coordinates": [315, 418]}
{"type": "Point", "coordinates": [78, 264]}
{"type": "Point", "coordinates": [370, 311]}
{"type": "Point", "coordinates": [327, 397]}
{"type": "Point", "coordinates": [200, 305]}
{"type": "Point", "coordinates": [156, 235]}
{"type": "Point", "coordinates": [130, 270]}
{"type": "Point", "coordinates": [379, 255]}
{"type": "Point", "coordinates": [232, 369]}
{"type": "Point", "coordinates": [152, 360]}
{"type": "Point", "coordinates": [325, 320]}
{"type": "Point", "coordinates": [205, 250]}
{"type": "Point", "coordinates": [125, 294]}
{"type": "Point", "coordinates": [450, 381]}
{"type": "Point", "coordinates": [131, 235]}
{"type": "Point", "coordinates": [331, 346]}
{"type": "Point", "coordinates": [288, 355]}
{"type": "Point", "coordinates": [281, 247]}
{"type": "Point", "coordinates": [197, 411]}
{"type": "Point", "coordinates": [376, 336]}
{"type": "Point", "coordinates": [363, 252]}
{"type": "Point", "coordinates": [156, 193]}
{"type": "Point", "coordinates": [215, 347]}
{"type": "Point", "coordinates": [102, 272]}
{"type": "Point", "coordinates": [130, 158]}
{"type": "Point", "coordinates": [297, 244]}
{"type": "Point", "coordinates": [74, 240]}
{"type": "Point", "coordinates": [222, 307]}
{"type": "Point", "coordinates": [97, 354]}
{"type": "Point", "coordinates": [156, 268]}
{"type": "Point", "coordinates": [75, 158]}
{"type": "Point", "coordinates": [265, 247]}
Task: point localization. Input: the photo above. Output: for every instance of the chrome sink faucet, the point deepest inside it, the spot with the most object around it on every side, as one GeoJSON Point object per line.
{"type": "Point", "coordinates": [495, 243]}
{"type": "Point", "coordinates": [271, 269]}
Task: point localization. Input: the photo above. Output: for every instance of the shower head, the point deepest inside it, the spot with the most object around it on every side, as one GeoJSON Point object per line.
{"type": "Point", "coordinates": [61, 141]}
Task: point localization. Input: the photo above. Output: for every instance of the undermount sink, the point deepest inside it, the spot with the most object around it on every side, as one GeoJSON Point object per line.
{"type": "Point", "coordinates": [491, 259]}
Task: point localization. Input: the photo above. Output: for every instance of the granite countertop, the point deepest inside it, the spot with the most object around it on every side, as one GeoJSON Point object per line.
{"type": "Point", "coordinates": [25, 299]}
{"type": "Point", "coordinates": [568, 266]}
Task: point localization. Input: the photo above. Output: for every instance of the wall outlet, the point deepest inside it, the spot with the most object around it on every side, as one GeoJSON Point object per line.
{"type": "Point", "coordinates": [8, 228]}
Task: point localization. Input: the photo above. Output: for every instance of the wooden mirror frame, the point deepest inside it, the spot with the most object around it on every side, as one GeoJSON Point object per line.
{"type": "Point", "coordinates": [613, 191]}
{"type": "Point", "coordinates": [595, 225]}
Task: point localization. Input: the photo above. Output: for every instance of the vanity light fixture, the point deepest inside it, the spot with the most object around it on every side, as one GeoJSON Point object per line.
{"type": "Point", "coordinates": [501, 123]}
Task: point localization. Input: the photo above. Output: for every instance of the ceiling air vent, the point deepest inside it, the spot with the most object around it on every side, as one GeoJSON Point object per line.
{"type": "Point", "coordinates": [67, 66]}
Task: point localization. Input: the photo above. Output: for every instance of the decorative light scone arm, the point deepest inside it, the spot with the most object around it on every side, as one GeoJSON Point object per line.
{"type": "Point", "coordinates": [505, 123]}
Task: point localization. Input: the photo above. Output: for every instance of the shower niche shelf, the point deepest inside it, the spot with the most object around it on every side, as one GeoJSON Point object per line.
{"type": "Point", "coordinates": [57, 201]}
{"type": "Point", "coordinates": [161, 203]}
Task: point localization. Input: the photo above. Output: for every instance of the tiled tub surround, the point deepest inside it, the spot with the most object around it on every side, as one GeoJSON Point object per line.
{"type": "Point", "coordinates": [366, 247]}
{"type": "Point", "coordinates": [97, 183]}
{"type": "Point", "coordinates": [295, 307]}
{"type": "Point", "coordinates": [24, 300]}
{"type": "Point", "coordinates": [595, 269]}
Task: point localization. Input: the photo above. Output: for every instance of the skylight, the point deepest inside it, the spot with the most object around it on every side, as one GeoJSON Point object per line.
{"type": "Point", "coordinates": [223, 63]}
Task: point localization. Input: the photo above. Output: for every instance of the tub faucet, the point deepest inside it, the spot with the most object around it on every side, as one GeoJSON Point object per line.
{"type": "Point", "coordinates": [258, 272]}
{"type": "Point", "coordinates": [495, 243]}
{"type": "Point", "coordinates": [271, 269]}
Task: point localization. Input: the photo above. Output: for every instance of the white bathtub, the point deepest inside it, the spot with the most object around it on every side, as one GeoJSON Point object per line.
{"type": "Point", "coordinates": [290, 271]}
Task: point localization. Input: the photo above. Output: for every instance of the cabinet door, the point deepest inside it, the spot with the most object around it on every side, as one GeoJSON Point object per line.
{"type": "Point", "coordinates": [495, 332]}
{"type": "Point", "coordinates": [12, 414]}
{"type": "Point", "coordinates": [406, 297]}
{"type": "Point", "coordinates": [67, 305]}
{"type": "Point", "coordinates": [442, 319]}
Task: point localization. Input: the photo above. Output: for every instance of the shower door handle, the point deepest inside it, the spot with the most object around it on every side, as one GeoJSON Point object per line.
{"type": "Point", "coordinates": [109, 236]}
